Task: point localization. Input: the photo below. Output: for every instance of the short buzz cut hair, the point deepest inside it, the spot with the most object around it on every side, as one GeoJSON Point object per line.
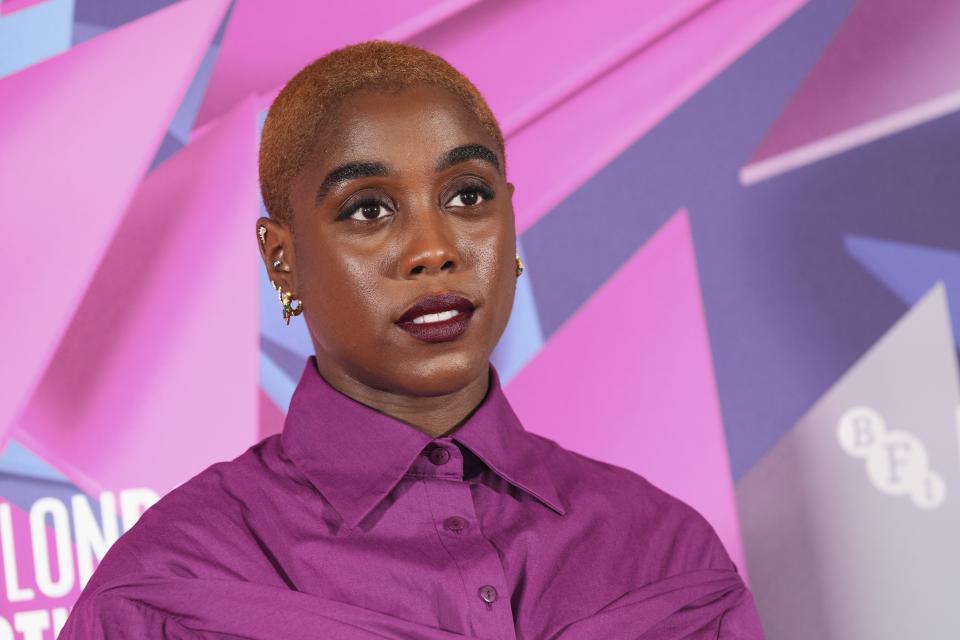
{"type": "Point", "coordinates": [303, 106]}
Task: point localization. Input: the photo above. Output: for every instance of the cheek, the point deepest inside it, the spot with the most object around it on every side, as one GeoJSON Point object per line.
{"type": "Point", "coordinates": [344, 299]}
{"type": "Point", "coordinates": [491, 255]}
{"type": "Point", "coordinates": [484, 257]}
{"type": "Point", "coordinates": [492, 258]}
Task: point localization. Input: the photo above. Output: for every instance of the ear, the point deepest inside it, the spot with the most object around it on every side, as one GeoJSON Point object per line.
{"type": "Point", "coordinates": [510, 189]}
{"type": "Point", "coordinates": [276, 249]}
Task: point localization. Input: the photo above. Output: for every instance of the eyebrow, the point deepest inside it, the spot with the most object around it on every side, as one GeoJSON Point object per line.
{"type": "Point", "coordinates": [467, 152]}
{"type": "Point", "coordinates": [347, 172]}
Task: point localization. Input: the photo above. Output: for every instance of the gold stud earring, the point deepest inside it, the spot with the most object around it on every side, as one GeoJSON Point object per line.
{"type": "Point", "coordinates": [287, 299]}
{"type": "Point", "coordinates": [519, 265]}
{"type": "Point", "coordinates": [262, 232]}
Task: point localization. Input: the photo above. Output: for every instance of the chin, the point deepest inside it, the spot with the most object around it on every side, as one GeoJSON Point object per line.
{"type": "Point", "coordinates": [444, 374]}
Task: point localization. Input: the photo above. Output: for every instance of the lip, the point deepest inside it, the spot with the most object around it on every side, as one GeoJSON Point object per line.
{"type": "Point", "coordinates": [444, 331]}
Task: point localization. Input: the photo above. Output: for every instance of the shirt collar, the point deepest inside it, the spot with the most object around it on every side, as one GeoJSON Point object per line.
{"type": "Point", "coordinates": [354, 455]}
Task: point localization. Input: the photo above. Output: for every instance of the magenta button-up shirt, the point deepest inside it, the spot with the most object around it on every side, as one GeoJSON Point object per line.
{"type": "Point", "coordinates": [354, 525]}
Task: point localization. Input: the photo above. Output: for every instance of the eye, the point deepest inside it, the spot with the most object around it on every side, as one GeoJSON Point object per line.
{"type": "Point", "coordinates": [369, 210]}
{"type": "Point", "coordinates": [470, 196]}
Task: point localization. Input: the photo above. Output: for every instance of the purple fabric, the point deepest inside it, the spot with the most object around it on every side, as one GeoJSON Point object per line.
{"type": "Point", "coordinates": [354, 525]}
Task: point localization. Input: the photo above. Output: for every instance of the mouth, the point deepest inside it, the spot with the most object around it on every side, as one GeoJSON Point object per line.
{"type": "Point", "coordinates": [437, 318]}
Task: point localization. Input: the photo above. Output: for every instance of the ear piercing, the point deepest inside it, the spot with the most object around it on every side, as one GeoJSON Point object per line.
{"type": "Point", "coordinates": [519, 265]}
{"type": "Point", "coordinates": [286, 300]}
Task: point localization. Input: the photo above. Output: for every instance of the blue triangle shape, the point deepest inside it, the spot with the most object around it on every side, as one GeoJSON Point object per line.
{"type": "Point", "coordinates": [909, 270]}
{"type": "Point", "coordinates": [522, 339]}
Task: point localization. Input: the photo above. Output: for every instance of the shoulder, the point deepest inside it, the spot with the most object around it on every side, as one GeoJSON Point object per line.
{"type": "Point", "coordinates": [221, 492]}
{"type": "Point", "coordinates": [652, 520]}
{"type": "Point", "coordinates": [218, 494]}
{"type": "Point", "coordinates": [209, 531]}
{"type": "Point", "coordinates": [203, 528]}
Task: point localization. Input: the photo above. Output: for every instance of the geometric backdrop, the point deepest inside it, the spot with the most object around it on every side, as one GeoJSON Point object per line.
{"type": "Point", "coordinates": [756, 198]}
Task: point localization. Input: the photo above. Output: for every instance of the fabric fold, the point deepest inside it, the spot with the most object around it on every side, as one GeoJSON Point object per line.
{"type": "Point", "coordinates": [178, 608]}
{"type": "Point", "coordinates": [691, 606]}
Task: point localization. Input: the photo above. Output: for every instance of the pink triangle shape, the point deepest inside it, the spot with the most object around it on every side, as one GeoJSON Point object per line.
{"type": "Point", "coordinates": [891, 66]}
{"type": "Point", "coordinates": [79, 131]}
{"type": "Point", "coordinates": [635, 381]}
{"type": "Point", "coordinates": [266, 42]}
{"type": "Point", "coordinates": [157, 376]}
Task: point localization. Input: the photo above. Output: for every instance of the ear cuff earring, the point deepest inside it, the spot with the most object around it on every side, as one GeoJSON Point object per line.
{"type": "Point", "coordinates": [262, 232]}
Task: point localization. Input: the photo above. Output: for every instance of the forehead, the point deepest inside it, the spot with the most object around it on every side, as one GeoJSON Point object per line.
{"type": "Point", "coordinates": [413, 124]}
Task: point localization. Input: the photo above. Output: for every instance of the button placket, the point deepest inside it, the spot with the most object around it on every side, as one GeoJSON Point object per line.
{"type": "Point", "coordinates": [455, 518]}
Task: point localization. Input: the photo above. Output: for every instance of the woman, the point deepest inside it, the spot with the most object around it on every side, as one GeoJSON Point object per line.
{"type": "Point", "coordinates": [403, 498]}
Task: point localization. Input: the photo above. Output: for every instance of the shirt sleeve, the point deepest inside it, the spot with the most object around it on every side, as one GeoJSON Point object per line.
{"type": "Point", "coordinates": [166, 584]}
{"type": "Point", "coordinates": [190, 608]}
{"type": "Point", "coordinates": [708, 604]}
{"type": "Point", "coordinates": [114, 617]}
{"type": "Point", "coordinates": [104, 612]}
{"type": "Point", "coordinates": [741, 620]}
{"type": "Point", "coordinates": [687, 586]}
{"type": "Point", "coordinates": [712, 600]}
{"type": "Point", "coordinates": [728, 611]}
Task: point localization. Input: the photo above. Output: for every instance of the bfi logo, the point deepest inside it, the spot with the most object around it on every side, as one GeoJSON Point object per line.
{"type": "Point", "coordinates": [896, 461]}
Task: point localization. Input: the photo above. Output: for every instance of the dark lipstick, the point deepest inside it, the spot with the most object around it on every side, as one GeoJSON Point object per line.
{"type": "Point", "coordinates": [444, 330]}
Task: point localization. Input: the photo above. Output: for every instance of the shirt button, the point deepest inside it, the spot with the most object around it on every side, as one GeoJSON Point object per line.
{"type": "Point", "coordinates": [487, 593]}
{"type": "Point", "coordinates": [439, 455]}
{"type": "Point", "coordinates": [455, 524]}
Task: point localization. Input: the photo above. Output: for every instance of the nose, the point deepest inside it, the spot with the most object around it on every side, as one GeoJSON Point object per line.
{"type": "Point", "coordinates": [430, 248]}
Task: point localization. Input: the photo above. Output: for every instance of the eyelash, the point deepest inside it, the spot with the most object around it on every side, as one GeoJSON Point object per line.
{"type": "Point", "coordinates": [485, 192]}
{"type": "Point", "coordinates": [366, 202]}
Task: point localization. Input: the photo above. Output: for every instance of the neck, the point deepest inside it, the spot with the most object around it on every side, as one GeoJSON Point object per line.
{"type": "Point", "coordinates": [434, 415]}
